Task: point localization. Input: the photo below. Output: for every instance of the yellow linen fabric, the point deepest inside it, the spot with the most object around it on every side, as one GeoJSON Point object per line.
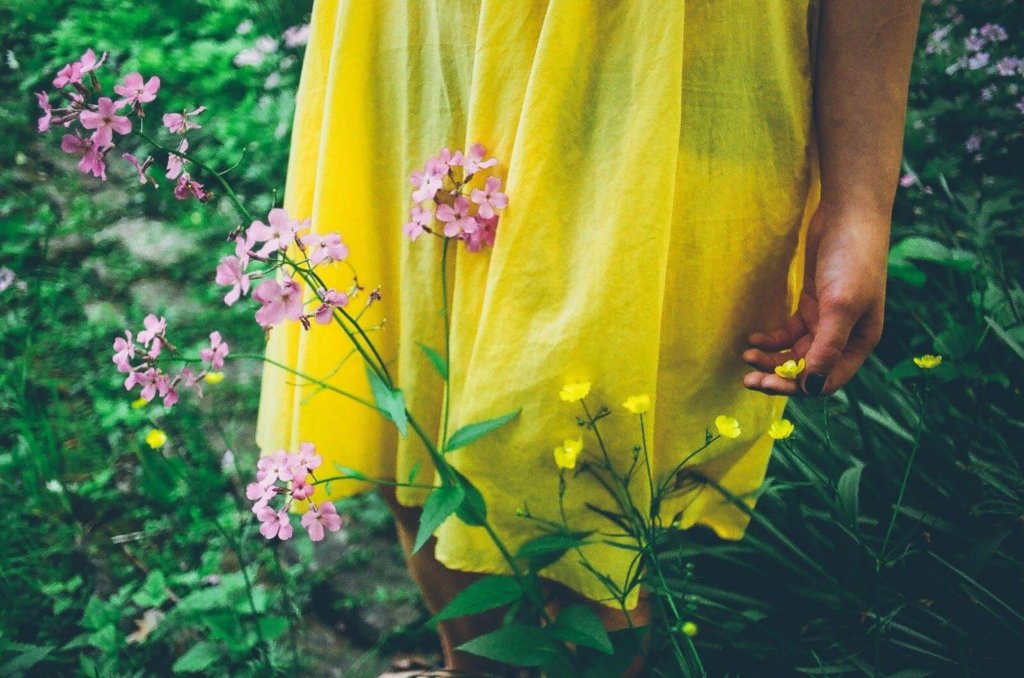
{"type": "Point", "coordinates": [661, 170]}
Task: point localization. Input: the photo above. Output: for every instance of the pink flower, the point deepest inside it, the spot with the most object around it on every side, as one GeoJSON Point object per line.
{"type": "Point", "coordinates": [146, 378]}
{"type": "Point", "coordinates": [274, 523]}
{"type": "Point", "coordinates": [279, 301]}
{"type": "Point", "coordinates": [105, 121]}
{"type": "Point", "coordinates": [489, 199]}
{"type": "Point", "coordinates": [315, 520]}
{"type": "Point", "coordinates": [908, 179]}
{"type": "Point", "coordinates": [216, 352]}
{"type": "Point", "coordinates": [473, 161]}
{"type": "Point", "coordinates": [179, 123]}
{"type": "Point", "coordinates": [135, 91]}
{"type": "Point", "coordinates": [92, 155]}
{"type": "Point", "coordinates": [332, 299]}
{"type": "Point", "coordinates": [457, 219]}
{"type": "Point", "coordinates": [275, 236]}
{"type": "Point", "coordinates": [420, 220]}
{"type": "Point", "coordinates": [426, 184]}
{"type": "Point", "coordinates": [153, 334]}
{"type": "Point", "coordinates": [141, 168]}
{"type": "Point", "coordinates": [229, 272]}
{"type": "Point", "coordinates": [260, 494]}
{"type": "Point", "coordinates": [483, 236]}
{"type": "Point", "coordinates": [306, 460]}
{"type": "Point", "coordinates": [272, 468]}
{"type": "Point", "coordinates": [124, 351]}
{"type": "Point", "coordinates": [186, 186]}
{"type": "Point", "coordinates": [301, 489]}
{"type": "Point", "coordinates": [327, 248]}
{"type": "Point", "coordinates": [69, 75]}
{"type": "Point", "coordinates": [44, 103]}
{"type": "Point", "coordinates": [89, 62]}
{"type": "Point", "coordinates": [190, 380]}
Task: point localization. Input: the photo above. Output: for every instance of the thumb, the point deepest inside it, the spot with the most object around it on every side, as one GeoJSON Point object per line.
{"type": "Point", "coordinates": [826, 349]}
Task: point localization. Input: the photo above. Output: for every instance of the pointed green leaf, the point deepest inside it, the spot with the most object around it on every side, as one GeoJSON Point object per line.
{"type": "Point", "coordinates": [847, 490]}
{"type": "Point", "coordinates": [436, 360]}
{"type": "Point", "coordinates": [389, 400]}
{"type": "Point", "coordinates": [516, 645]}
{"type": "Point", "coordinates": [197, 659]}
{"type": "Point", "coordinates": [349, 472]}
{"type": "Point", "coordinates": [440, 504]}
{"type": "Point", "coordinates": [467, 434]}
{"type": "Point", "coordinates": [480, 596]}
{"type": "Point", "coordinates": [579, 624]}
{"type": "Point", "coordinates": [473, 510]}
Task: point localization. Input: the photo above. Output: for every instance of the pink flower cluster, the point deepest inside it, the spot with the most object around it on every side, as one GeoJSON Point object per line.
{"type": "Point", "coordinates": [104, 118]}
{"type": "Point", "coordinates": [290, 475]}
{"type": "Point", "coordinates": [281, 298]}
{"type": "Point", "coordinates": [472, 219]}
{"type": "Point", "coordinates": [137, 359]}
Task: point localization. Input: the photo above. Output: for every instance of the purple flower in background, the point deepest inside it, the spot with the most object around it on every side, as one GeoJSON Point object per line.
{"type": "Point", "coordinates": [977, 61]}
{"type": "Point", "coordinates": [296, 36]}
{"type": "Point", "coordinates": [1008, 66]}
{"type": "Point", "coordinates": [993, 32]}
{"type": "Point", "coordinates": [973, 143]}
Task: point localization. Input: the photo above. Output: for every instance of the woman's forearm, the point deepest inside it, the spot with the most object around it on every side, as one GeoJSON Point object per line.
{"type": "Point", "coordinates": [865, 48]}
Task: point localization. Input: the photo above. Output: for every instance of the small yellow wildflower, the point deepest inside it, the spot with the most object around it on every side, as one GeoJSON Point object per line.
{"type": "Point", "coordinates": [790, 369]}
{"type": "Point", "coordinates": [638, 404]}
{"type": "Point", "coordinates": [689, 629]}
{"type": "Point", "coordinates": [572, 392]}
{"type": "Point", "coordinates": [156, 438]}
{"type": "Point", "coordinates": [214, 378]}
{"type": "Point", "coordinates": [783, 428]}
{"type": "Point", "coordinates": [727, 426]}
{"type": "Point", "coordinates": [566, 453]}
{"type": "Point", "coordinates": [139, 403]}
{"type": "Point", "coordinates": [927, 361]}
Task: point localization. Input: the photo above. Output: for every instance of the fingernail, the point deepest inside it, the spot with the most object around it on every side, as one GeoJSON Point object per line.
{"type": "Point", "coordinates": [814, 383]}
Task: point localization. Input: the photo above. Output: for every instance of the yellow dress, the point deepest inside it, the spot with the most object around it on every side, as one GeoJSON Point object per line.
{"type": "Point", "coordinates": [660, 165]}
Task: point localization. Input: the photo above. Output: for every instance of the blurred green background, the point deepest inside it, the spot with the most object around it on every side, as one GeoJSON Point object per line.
{"type": "Point", "coordinates": [117, 559]}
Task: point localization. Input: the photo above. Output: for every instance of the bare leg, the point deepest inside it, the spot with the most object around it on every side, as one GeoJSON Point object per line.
{"type": "Point", "coordinates": [439, 585]}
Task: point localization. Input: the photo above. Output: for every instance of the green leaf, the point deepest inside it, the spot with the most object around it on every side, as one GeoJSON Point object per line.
{"type": "Point", "coordinates": [473, 509]}
{"type": "Point", "coordinates": [907, 272]}
{"type": "Point", "coordinates": [29, 656]}
{"type": "Point", "coordinates": [198, 659]}
{"type": "Point", "coordinates": [847, 489]}
{"type": "Point", "coordinates": [547, 549]}
{"type": "Point", "coordinates": [440, 504]}
{"type": "Point", "coordinates": [467, 434]}
{"type": "Point", "coordinates": [925, 249]}
{"type": "Point", "coordinates": [389, 400]}
{"type": "Point", "coordinates": [516, 645]}
{"type": "Point", "coordinates": [350, 472]}
{"type": "Point", "coordinates": [579, 624]}
{"type": "Point", "coordinates": [153, 592]}
{"type": "Point", "coordinates": [480, 596]}
{"type": "Point", "coordinates": [436, 360]}
{"type": "Point", "coordinates": [414, 471]}
{"type": "Point", "coordinates": [627, 644]}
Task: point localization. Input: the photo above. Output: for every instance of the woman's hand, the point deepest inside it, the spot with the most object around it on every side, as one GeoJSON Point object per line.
{"type": "Point", "coordinates": [839, 317]}
{"type": "Point", "coordinates": [862, 70]}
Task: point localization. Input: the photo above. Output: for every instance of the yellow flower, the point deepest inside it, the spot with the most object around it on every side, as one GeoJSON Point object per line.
{"type": "Point", "coordinates": [139, 403]}
{"type": "Point", "coordinates": [790, 369]}
{"type": "Point", "coordinates": [727, 426]}
{"type": "Point", "coordinates": [566, 453]}
{"type": "Point", "coordinates": [214, 378]}
{"type": "Point", "coordinates": [638, 404]}
{"type": "Point", "coordinates": [156, 438]}
{"type": "Point", "coordinates": [573, 392]}
{"type": "Point", "coordinates": [927, 361]}
{"type": "Point", "coordinates": [783, 428]}
{"type": "Point", "coordinates": [689, 628]}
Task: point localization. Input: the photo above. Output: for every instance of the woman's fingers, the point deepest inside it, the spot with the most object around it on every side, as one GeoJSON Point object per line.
{"type": "Point", "coordinates": [781, 338]}
{"type": "Point", "coordinates": [770, 383]}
